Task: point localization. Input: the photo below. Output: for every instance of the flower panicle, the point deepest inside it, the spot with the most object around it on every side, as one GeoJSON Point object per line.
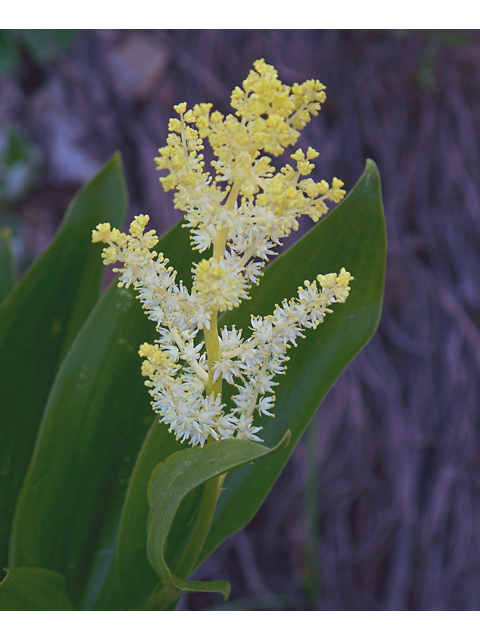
{"type": "Point", "coordinates": [241, 212]}
{"type": "Point", "coordinates": [257, 206]}
{"type": "Point", "coordinates": [176, 365]}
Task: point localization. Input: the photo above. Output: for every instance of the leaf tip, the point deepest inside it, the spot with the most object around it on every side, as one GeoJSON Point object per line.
{"type": "Point", "coordinates": [283, 442]}
{"type": "Point", "coordinates": [116, 158]}
{"type": "Point", "coordinates": [226, 589]}
{"type": "Point", "coordinates": [371, 170]}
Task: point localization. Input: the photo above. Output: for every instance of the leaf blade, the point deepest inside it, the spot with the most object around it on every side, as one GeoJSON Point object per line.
{"type": "Point", "coordinates": [38, 323]}
{"type": "Point", "coordinates": [98, 400]}
{"type": "Point", "coordinates": [343, 238]}
{"type": "Point", "coordinates": [170, 483]}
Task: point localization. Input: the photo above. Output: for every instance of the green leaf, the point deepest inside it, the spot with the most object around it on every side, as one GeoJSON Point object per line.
{"type": "Point", "coordinates": [26, 589]}
{"type": "Point", "coordinates": [38, 322]}
{"type": "Point", "coordinates": [94, 425]}
{"type": "Point", "coordinates": [7, 264]}
{"type": "Point", "coordinates": [92, 420]}
{"type": "Point", "coordinates": [172, 480]}
{"type": "Point", "coordinates": [352, 236]}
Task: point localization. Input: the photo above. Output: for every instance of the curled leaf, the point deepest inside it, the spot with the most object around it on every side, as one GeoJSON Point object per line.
{"type": "Point", "coordinates": [173, 479]}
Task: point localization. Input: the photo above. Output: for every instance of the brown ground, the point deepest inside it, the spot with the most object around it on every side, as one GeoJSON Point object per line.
{"type": "Point", "coordinates": [385, 513]}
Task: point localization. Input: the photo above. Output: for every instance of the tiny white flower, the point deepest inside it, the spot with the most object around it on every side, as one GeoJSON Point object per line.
{"type": "Point", "coordinates": [230, 339]}
{"type": "Point", "coordinates": [190, 352]}
{"type": "Point", "coordinates": [265, 404]}
{"type": "Point", "coordinates": [230, 369]}
{"type": "Point", "coordinates": [201, 240]}
{"type": "Point", "coordinates": [246, 430]}
{"type": "Point", "coordinates": [250, 356]}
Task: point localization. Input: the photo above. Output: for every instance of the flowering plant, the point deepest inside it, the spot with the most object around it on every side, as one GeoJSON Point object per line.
{"type": "Point", "coordinates": [243, 235]}
{"type": "Point", "coordinates": [211, 366]}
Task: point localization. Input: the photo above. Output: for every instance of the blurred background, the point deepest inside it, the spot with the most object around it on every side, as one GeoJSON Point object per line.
{"type": "Point", "coordinates": [379, 507]}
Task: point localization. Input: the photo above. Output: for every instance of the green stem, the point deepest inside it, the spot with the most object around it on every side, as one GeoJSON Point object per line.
{"type": "Point", "coordinates": [202, 526]}
{"type": "Point", "coordinates": [213, 353]}
{"type": "Point", "coordinates": [161, 597]}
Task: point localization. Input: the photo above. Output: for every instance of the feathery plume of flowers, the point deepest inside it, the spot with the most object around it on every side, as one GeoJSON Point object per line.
{"type": "Point", "coordinates": [241, 213]}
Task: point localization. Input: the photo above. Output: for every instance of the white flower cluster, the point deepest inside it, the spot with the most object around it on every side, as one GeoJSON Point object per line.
{"type": "Point", "coordinates": [177, 364]}
{"type": "Point", "coordinates": [243, 224]}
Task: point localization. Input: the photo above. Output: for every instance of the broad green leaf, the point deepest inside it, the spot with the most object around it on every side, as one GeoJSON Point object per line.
{"type": "Point", "coordinates": [352, 236]}
{"type": "Point", "coordinates": [171, 482]}
{"type": "Point", "coordinates": [27, 589]}
{"type": "Point", "coordinates": [7, 264]}
{"type": "Point", "coordinates": [39, 321]}
{"type": "Point", "coordinates": [94, 425]}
